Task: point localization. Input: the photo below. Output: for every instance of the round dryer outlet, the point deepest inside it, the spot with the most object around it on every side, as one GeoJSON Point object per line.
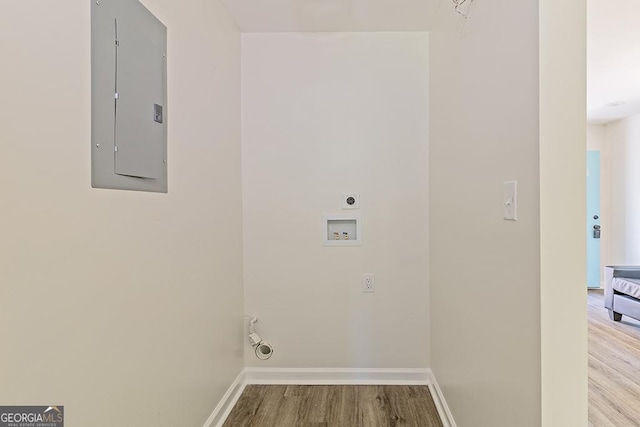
{"type": "Point", "coordinates": [350, 201]}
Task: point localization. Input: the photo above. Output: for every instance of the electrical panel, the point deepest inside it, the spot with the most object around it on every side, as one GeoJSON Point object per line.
{"type": "Point", "coordinates": [128, 97]}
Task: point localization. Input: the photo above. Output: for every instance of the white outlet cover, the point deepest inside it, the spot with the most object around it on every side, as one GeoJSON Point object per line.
{"type": "Point", "coordinates": [350, 201]}
{"type": "Point", "coordinates": [368, 282]}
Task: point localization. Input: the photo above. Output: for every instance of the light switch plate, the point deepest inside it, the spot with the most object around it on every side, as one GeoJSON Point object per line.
{"type": "Point", "coordinates": [510, 200]}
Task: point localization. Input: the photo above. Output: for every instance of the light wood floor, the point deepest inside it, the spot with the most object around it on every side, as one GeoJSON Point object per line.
{"type": "Point", "coordinates": [334, 406]}
{"type": "Point", "coordinates": [614, 390]}
{"type": "Point", "coordinates": [614, 367]}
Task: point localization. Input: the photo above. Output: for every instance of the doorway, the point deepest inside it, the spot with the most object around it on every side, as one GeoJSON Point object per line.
{"type": "Point", "coordinates": [593, 219]}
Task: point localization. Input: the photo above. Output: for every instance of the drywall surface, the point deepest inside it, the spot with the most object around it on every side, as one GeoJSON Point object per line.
{"type": "Point", "coordinates": [485, 271]}
{"type": "Point", "coordinates": [331, 15]}
{"type": "Point", "coordinates": [596, 137]}
{"type": "Point", "coordinates": [508, 102]}
{"type": "Point", "coordinates": [623, 140]}
{"type": "Point", "coordinates": [562, 212]}
{"type": "Point", "coordinates": [324, 114]}
{"type": "Point", "coordinates": [125, 307]}
{"type": "Point", "coordinates": [596, 141]}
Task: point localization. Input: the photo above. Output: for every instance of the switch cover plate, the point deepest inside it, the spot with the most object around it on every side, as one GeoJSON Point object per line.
{"type": "Point", "coordinates": [510, 200]}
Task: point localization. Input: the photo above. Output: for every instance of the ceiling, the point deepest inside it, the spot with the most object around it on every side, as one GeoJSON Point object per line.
{"type": "Point", "coordinates": [613, 59]}
{"type": "Point", "coordinates": [332, 15]}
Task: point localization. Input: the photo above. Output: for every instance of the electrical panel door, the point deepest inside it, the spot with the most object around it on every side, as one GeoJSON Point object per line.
{"type": "Point", "coordinates": [129, 99]}
{"type": "Point", "coordinates": [140, 92]}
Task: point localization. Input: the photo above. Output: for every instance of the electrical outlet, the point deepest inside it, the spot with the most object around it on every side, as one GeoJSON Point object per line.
{"type": "Point", "coordinates": [350, 201]}
{"type": "Point", "coordinates": [368, 283]}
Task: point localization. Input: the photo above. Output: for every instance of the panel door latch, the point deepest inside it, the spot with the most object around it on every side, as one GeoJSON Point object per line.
{"type": "Point", "coordinates": [157, 113]}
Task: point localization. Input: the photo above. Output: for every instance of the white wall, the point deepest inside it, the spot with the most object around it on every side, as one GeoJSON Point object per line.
{"type": "Point", "coordinates": [563, 313]}
{"type": "Point", "coordinates": [125, 307]}
{"type": "Point", "coordinates": [596, 141]}
{"type": "Point", "coordinates": [595, 137]}
{"type": "Point", "coordinates": [485, 271]}
{"type": "Point", "coordinates": [487, 277]}
{"type": "Point", "coordinates": [623, 140]}
{"type": "Point", "coordinates": [324, 114]}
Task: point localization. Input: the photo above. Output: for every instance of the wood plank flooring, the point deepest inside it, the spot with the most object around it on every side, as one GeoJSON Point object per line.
{"type": "Point", "coordinates": [334, 406]}
{"type": "Point", "coordinates": [614, 367]}
{"type": "Point", "coordinates": [614, 390]}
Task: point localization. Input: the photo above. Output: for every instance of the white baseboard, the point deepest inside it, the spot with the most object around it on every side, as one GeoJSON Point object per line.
{"type": "Point", "coordinates": [220, 414]}
{"type": "Point", "coordinates": [441, 404]}
{"type": "Point", "coordinates": [337, 376]}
